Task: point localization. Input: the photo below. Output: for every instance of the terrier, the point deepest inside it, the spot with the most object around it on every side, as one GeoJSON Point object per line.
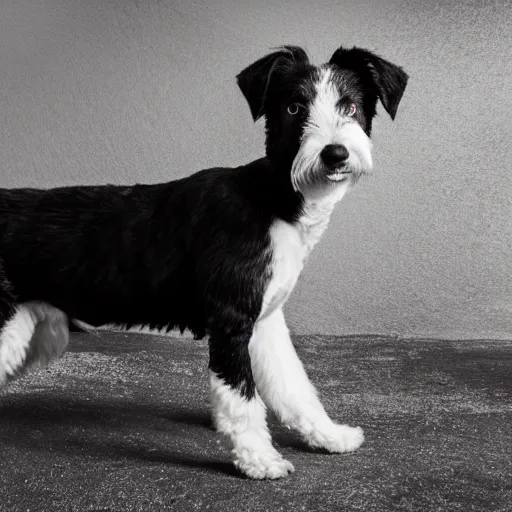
{"type": "Point", "coordinates": [218, 252]}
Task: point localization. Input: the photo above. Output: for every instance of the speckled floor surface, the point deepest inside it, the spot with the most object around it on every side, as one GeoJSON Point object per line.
{"type": "Point", "coordinates": [121, 423]}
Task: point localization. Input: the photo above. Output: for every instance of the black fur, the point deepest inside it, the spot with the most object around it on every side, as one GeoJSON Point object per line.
{"type": "Point", "coordinates": [174, 254]}
{"type": "Point", "coordinates": [270, 85]}
{"type": "Point", "coordinates": [193, 253]}
{"type": "Point", "coordinates": [254, 80]}
{"type": "Point", "coordinates": [374, 78]}
{"type": "Point", "coordinates": [7, 298]}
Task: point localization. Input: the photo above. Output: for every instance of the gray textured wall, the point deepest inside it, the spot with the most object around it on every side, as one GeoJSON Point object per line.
{"type": "Point", "coordinates": [131, 91]}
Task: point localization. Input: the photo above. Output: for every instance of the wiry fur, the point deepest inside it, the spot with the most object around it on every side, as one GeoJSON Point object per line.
{"type": "Point", "coordinates": [286, 390]}
{"type": "Point", "coordinates": [243, 422]}
{"type": "Point", "coordinates": [217, 253]}
{"type": "Point", "coordinates": [34, 335]}
{"type": "Point", "coordinates": [328, 123]}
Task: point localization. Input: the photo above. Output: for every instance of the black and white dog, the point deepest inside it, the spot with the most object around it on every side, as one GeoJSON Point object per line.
{"type": "Point", "coordinates": [217, 253]}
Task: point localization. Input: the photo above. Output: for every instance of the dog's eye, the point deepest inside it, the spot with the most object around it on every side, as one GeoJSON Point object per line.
{"type": "Point", "coordinates": [293, 108]}
{"type": "Point", "coordinates": [351, 110]}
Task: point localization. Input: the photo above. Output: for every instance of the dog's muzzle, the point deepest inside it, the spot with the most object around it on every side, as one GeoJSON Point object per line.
{"type": "Point", "coordinates": [334, 158]}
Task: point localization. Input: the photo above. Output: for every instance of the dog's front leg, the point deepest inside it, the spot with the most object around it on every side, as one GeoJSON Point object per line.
{"type": "Point", "coordinates": [285, 388]}
{"type": "Point", "coordinates": [238, 411]}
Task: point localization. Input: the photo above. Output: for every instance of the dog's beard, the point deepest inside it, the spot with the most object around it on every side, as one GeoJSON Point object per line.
{"type": "Point", "coordinates": [309, 175]}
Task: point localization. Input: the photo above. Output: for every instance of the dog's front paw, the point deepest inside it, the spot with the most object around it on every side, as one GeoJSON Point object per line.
{"type": "Point", "coordinates": [262, 465]}
{"type": "Point", "coordinates": [336, 438]}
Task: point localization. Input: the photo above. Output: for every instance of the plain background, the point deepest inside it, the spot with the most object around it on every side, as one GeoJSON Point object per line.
{"type": "Point", "coordinates": [125, 91]}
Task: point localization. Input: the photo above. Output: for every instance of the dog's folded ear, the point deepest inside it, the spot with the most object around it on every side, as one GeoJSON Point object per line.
{"type": "Point", "coordinates": [254, 79]}
{"type": "Point", "coordinates": [388, 79]}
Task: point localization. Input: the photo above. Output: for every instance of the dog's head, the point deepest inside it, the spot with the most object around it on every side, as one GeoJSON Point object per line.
{"type": "Point", "coordinates": [319, 118]}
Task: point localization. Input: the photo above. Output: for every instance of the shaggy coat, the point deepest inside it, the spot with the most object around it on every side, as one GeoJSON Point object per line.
{"type": "Point", "coordinates": [217, 253]}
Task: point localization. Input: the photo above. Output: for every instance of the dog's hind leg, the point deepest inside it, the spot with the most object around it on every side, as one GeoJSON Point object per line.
{"type": "Point", "coordinates": [238, 411]}
{"type": "Point", "coordinates": [285, 388]}
{"type": "Point", "coordinates": [31, 335]}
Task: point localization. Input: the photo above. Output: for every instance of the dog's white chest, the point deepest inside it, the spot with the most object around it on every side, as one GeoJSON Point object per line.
{"type": "Point", "coordinates": [291, 245]}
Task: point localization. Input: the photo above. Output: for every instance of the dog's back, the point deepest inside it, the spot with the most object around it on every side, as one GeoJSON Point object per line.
{"type": "Point", "coordinates": [89, 250]}
{"type": "Point", "coordinates": [132, 254]}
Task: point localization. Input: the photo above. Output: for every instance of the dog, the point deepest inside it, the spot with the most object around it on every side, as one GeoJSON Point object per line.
{"type": "Point", "coordinates": [217, 253]}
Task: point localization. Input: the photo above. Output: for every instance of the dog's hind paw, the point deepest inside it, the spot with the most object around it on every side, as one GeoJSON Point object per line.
{"type": "Point", "coordinates": [262, 465]}
{"type": "Point", "coordinates": [336, 438]}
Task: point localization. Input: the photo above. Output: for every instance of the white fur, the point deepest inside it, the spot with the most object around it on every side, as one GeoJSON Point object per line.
{"type": "Point", "coordinates": [291, 245]}
{"type": "Point", "coordinates": [327, 125]}
{"type": "Point", "coordinates": [243, 422]}
{"type": "Point", "coordinates": [285, 388]}
{"type": "Point", "coordinates": [15, 341]}
{"type": "Point", "coordinates": [36, 334]}
{"type": "Point", "coordinates": [288, 255]}
{"type": "Point", "coordinates": [139, 328]}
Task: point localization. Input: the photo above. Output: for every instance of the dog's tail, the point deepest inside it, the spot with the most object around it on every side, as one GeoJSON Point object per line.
{"type": "Point", "coordinates": [33, 335]}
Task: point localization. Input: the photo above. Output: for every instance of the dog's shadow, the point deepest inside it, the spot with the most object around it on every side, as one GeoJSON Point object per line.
{"type": "Point", "coordinates": [122, 430]}
{"type": "Point", "coordinates": [110, 430]}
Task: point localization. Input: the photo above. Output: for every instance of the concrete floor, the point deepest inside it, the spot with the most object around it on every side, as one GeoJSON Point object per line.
{"type": "Point", "coordinates": [121, 423]}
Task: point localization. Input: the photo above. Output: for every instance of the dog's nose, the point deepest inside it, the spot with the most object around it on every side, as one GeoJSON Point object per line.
{"type": "Point", "coordinates": [334, 155]}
